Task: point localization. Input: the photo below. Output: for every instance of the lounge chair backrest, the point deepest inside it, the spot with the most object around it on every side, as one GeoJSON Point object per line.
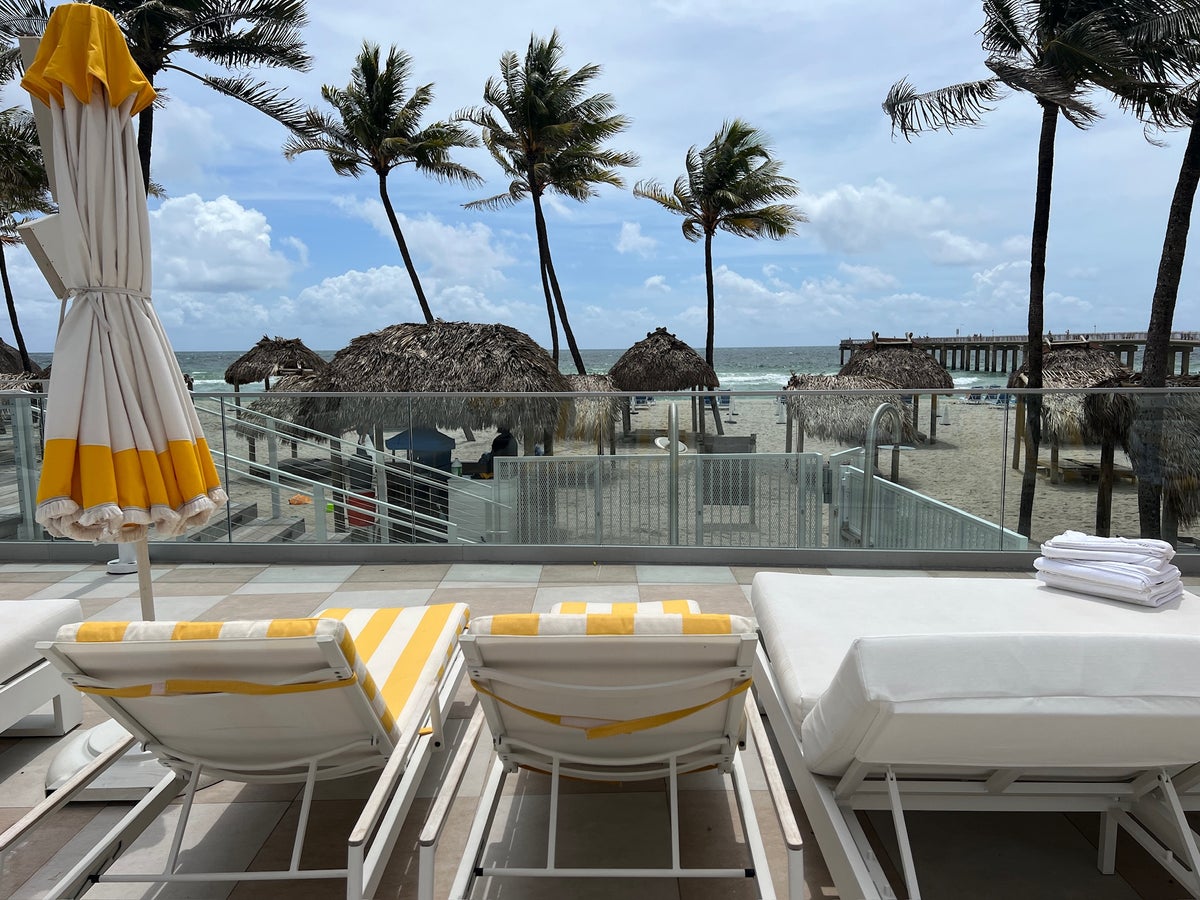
{"type": "Point", "coordinates": [608, 688]}
{"type": "Point", "coordinates": [1022, 701]}
{"type": "Point", "coordinates": [241, 695]}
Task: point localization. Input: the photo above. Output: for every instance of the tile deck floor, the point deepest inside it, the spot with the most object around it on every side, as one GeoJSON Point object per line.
{"type": "Point", "coordinates": [999, 855]}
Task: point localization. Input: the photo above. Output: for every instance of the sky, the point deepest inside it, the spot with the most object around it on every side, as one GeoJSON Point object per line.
{"type": "Point", "coordinates": [929, 236]}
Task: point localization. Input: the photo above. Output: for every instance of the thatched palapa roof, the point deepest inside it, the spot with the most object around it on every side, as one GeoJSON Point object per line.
{"type": "Point", "coordinates": [10, 362]}
{"type": "Point", "coordinates": [273, 357]}
{"type": "Point", "coordinates": [661, 363]}
{"type": "Point", "coordinates": [841, 417]}
{"type": "Point", "coordinates": [1064, 416]}
{"type": "Point", "coordinates": [1179, 458]}
{"type": "Point", "coordinates": [902, 364]}
{"type": "Point", "coordinates": [280, 402]}
{"type": "Point", "coordinates": [594, 417]}
{"type": "Point", "coordinates": [439, 357]}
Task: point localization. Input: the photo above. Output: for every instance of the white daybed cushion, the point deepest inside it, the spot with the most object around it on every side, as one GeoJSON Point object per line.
{"type": "Point", "coordinates": [808, 622]}
{"type": "Point", "coordinates": [25, 622]}
{"type": "Point", "coordinates": [1028, 701]}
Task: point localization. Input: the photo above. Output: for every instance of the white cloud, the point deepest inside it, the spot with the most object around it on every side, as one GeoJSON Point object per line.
{"type": "Point", "coordinates": [356, 302]}
{"type": "Point", "coordinates": [631, 240]}
{"type": "Point", "coordinates": [868, 276]}
{"type": "Point", "coordinates": [856, 219]}
{"type": "Point", "coordinates": [956, 249]}
{"type": "Point", "coordinates": [657, 283]}
{"type": "Point", "coordinates": [459, 254]}
{"type": "Point", "coordinates": [216, 247]}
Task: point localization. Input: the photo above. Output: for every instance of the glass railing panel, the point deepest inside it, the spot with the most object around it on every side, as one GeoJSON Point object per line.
{"type": "Point", "coordinates": [746, 470]}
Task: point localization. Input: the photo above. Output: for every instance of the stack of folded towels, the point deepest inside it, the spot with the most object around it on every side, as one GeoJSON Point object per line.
{"type": "Point", "coordinates": [1133, 570]}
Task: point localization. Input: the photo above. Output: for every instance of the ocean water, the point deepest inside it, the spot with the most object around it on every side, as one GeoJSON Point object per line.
{"type": "Point", "coordinates": [738, 368]}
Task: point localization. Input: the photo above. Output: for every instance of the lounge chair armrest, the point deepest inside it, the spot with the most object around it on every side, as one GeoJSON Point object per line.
{"type": "Point", "coordinates": [436, 820]}
{"type": "Point", "coordinates": [64, 794]}
{"type": "Point", "coordinates": [779, 797]}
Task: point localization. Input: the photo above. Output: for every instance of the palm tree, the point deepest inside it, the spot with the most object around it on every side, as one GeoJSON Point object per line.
{"type": "Point", "coordinates": [1055, 52]}
{"type": "Point", "coordinates": [232, 34]}
{"type": "Point", "coordinates": [1167, 96]}
{"type": "Point", "coordinates": [23, 189]}
{"type": "Point", "coordinates": [731, 185]}
{"type": "Point", "coordinates": [376, 126]}
{"type": "Point", "coordinates": [547, 134]}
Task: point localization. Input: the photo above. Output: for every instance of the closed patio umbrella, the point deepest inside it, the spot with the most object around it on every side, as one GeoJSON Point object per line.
{"type": "Point", "coordinates": [124, 447]}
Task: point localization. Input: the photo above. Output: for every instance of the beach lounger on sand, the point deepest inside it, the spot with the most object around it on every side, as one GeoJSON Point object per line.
{"type": "Point", "coordinates": [610, 698]}
{"type": "Point", "coordinates": [905, 694]}
{"type": "Point", "coordinates": [270, 701]}
{"type": "Point", "coordinates": [27, 681]}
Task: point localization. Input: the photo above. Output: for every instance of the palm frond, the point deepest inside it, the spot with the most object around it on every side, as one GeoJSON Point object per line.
{"type": "Point", "coordinates": [954, 106]}
{"type": "Point", "coordinates": [266, 99]}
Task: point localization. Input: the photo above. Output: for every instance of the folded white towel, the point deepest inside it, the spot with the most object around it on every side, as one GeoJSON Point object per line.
{"type": "Point", "coordinates": [1165, 594]}
{"type": "Point", "coordinates": [1077, 540]}
{"type": "Point", "coordinates": [1119, 575]}
{"type": "Point", "coordinates": [1135, 558]}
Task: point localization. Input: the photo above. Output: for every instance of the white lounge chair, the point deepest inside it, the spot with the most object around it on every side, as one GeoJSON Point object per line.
{"type": "Point", "coordinates": [613, 698]}
{"type": "Point", "coordinates": [283, 700]}
{"type": "Point", "coordinates": [979, 694]}
{"type": "Point", "coordinates": [27, 681]}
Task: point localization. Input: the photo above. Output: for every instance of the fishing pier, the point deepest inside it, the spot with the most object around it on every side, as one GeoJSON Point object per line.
{"type": "Point", "coordinates": [1005, 353]}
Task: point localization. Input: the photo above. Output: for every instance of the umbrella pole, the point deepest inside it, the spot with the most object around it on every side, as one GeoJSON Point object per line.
{"type": "Point", "coordinates": [145, 588]}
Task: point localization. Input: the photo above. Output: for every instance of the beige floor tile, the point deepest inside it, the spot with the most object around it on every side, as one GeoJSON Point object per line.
{"type": "Point", "coordinates": [488, 600]}
{"type": "Point", "coordinates": [21, 590]}
{"type": "Point", "coordinates": [27, 857]}
{"type": "Point", "coordinates": [211, 573]}
{"type": "Point", "coordinates": [592, 573]}
{"type": "Point", "coordinates": [425, 573]}
{"type": "Point", "coordinates": [266, 606]}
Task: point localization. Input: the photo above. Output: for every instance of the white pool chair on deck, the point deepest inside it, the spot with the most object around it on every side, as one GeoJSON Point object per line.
{"type": "Point", "coordinates": [27, 681]}
{"type": "Point", "coordinates": [975, 694]}
{"type": "Point", "coordinates": [284, 700]}
{"type": "Point", "coordinates": [611, 698]}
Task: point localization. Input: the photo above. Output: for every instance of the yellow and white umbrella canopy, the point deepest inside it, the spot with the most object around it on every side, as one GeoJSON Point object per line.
{"type": "Point", "coordinates": [124, 447]}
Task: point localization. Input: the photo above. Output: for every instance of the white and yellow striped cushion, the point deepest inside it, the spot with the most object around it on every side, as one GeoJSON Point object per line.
{"type": "Point", "coordinates": [607, 624]}
{"type": "Point", "coordinates": [391, 651]}
{"type": "Point", "coordinates": [650, 607]}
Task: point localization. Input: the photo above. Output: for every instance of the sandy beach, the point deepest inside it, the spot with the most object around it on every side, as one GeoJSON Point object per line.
{"type": "Point", "coordinates": [967, 467]}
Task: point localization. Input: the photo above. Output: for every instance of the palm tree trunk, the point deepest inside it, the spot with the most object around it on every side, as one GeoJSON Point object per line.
{"type": "Point", "coordinates": [12, 314]}
{"type": "Point", "coordinates": [1158, 334]}
{"type": "Point", "coordinates": [145, 137]}
{"type": "Point", "coordinates": [544, 241]}
{"type": "Point", "coordinates": [1037, 290]}
{"type": "Point", "coordinates": [549, 307]}
{"type": "Point", "coordinates": [712, 320]}
{"type": "Point", "coordinates": [712, 304]}
{"type": "Point", "coordinates": [403, 245]}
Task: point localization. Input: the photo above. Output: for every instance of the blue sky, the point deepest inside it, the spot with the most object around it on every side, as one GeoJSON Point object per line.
{"type": "Point", "coordinates": [929, 236]}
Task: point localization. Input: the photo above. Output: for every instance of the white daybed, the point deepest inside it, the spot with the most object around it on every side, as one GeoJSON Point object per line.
{"type": "Point", "coordinates": [979, 694]}
{"type": "Point", "coordinates": [27, 681]}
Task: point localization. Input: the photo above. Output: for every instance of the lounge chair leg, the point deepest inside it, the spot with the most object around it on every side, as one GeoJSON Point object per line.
{"type": "Point", "coordinates": [305, 807]}
{"type": "Point", "coordinates": [906, 858]}
{"type": "Point", "coordinates": [184, 812]}
{"type": "Point", "coordinates": [673, 787]}
{"type": "Point", "coordinates": [1106, 860]}
{"type": "Point", "coordinates": [1191, 852]}
{"type": "Point", "coordinates": [551, 837]}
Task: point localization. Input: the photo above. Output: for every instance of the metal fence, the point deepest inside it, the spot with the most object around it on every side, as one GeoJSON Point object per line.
{"type": "Point", "coordinates": [704, 500]}
{"type": "Point", "coordinates": [902, 519]}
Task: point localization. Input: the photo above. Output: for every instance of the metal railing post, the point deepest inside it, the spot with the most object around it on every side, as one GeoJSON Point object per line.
{"type": "Point", "coordinates": [599, 493]}
{"type": "Point", "coordinates": [673, 476]}
{"type": "Point", "coordinates": [273, 462]}
{"type": "Point", "coordinates": [320, 526]}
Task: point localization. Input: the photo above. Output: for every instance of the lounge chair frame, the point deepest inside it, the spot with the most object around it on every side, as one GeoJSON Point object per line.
{"type": "Point", "coordinates": [1149, 805]}
{"type": "Point", "coordinates": [370, 841]}
{"type": "Point", "coordinates": [510, 754]}
{"type": "Point", "coordinates": [26, 692]}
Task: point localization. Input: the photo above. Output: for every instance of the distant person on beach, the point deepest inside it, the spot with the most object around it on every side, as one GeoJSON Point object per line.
{"type": "Point", "coordinates": [504, 444]}
{"type": "Point", "coordinates": [189, 381]}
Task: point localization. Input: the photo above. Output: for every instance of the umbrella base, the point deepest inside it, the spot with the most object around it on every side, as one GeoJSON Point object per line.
{"type": "Point", "coordinates": [129, 778]}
